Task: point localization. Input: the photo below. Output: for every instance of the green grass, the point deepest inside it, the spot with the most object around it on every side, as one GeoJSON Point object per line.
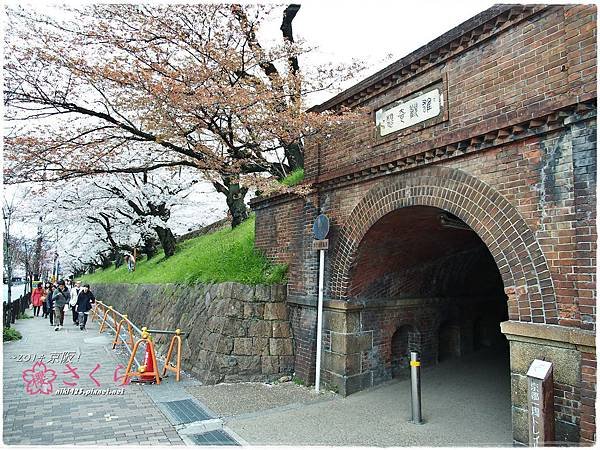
{"type": "Point", "coordinates": [10, 334]}
{"type": "Point", "coordinates": [24, 316]}
{"type": "Point", "coordinates": [293, 178]}
{"type": "Point", "coordinates": [225, 255]}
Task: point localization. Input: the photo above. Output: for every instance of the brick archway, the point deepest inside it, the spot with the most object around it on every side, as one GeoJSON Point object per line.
{"type": "Point", "coordinates": [519, 258]}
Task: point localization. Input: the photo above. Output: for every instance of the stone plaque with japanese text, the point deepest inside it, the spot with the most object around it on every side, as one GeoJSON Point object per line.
{"type": "Point", "coordinates": [408, 112]}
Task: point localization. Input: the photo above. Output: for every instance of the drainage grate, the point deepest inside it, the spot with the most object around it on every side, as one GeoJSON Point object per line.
{"type": "Point", "coordinates": [186, 411]}
{"type": "Point", "coordinates": [216, 437]}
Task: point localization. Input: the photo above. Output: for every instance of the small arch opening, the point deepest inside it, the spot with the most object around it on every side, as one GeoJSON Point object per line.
{"type": "Point", "coordinates": [403, 341]}
{"type": "Point", "coordinates": [448, 341]}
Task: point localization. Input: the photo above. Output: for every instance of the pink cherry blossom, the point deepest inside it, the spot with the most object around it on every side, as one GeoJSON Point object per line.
{"type": "Point", "coordinates": [38, 379]}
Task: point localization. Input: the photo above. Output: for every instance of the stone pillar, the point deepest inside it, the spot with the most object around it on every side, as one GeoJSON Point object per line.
{"type": "Point", "coordinates": [344, 343]}
{"type": "Point", "coordinates": [563, 347]}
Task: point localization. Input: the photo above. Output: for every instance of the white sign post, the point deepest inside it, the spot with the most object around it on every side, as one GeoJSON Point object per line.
{"type": "Point", "coordinates": [540, 403]}
{"type": "Point", "coordinates": [320, 230]}
{"type": "Point", "coordinates": [320, 319]}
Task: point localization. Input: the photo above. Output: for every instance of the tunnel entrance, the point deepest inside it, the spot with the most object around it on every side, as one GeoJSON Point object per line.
{"type": "Point", "coordinates": [428, 283]}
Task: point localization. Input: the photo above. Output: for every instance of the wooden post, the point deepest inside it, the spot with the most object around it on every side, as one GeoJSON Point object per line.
{"type": "Point", "coordinates": [540, 403]}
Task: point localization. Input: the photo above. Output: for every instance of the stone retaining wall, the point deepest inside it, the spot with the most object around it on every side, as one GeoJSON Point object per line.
{"type": "Point", "coordinates": [237, 332]}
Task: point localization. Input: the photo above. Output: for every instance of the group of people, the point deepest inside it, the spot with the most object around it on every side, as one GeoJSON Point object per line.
{"type": "Point", "coordinates": [55, 299]}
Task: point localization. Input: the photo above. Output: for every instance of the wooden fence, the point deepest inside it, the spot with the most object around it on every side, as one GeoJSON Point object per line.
{"type": "Point", "coordinates": [12, 310]}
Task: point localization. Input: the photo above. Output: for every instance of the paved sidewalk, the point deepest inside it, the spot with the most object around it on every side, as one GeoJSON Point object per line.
{"type": "Point", "coordinates": [129, 416]}
{"type": "Point", "coordinates": [466, 402]}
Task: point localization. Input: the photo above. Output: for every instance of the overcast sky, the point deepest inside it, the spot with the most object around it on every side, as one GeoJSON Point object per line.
{"type": "Point", "coordinates": [368, 30]}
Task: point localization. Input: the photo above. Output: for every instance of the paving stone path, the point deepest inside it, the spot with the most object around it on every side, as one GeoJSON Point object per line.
{"type": "Point", "coordinates": [466, 402]}
{"type": "Point", "coordinates": [77, 358]}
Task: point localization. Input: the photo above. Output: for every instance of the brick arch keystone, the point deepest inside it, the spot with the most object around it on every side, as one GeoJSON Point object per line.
{"type": "Point", "coordinates": [520, 260]}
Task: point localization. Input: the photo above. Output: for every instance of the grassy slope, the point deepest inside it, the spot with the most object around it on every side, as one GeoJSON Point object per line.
{"type": "Point", "coordinates": [225, 255]}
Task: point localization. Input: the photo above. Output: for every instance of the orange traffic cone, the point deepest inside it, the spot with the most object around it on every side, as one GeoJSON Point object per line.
{"type": "Point", "coordinates": [147, 370]}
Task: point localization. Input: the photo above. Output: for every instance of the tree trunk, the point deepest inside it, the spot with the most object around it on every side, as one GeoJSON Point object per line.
{"type": "Point", "coordinates": [235, 195]}
{"type": "Point", "coordinates": [37, 257]}
{"type": "Point", "coordinates": [236, 204]}
{"type": "Point", "coordinates": [104, 261]}
{"type": "Point", "coordinates": [167, 240]}
{"type": "Point", "coordinates": [295, 156]}
{"type": "Point", "coordinates": [118, 259]}
{"type": "Point", "coordinates": [8, 265]}
{"type": "Point", "coordinates": [148, 246]}
{"type": "Point", "coordinates": [28, 278]}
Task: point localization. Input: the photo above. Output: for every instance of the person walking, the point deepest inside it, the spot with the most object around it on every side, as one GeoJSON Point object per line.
{"type": "Point", "coordinates": [130, 260]}
{"type": "Point", "coordinates": [44, 302]}
{"type": "Point", "coordinates": [50, 303]}
{"type": "Point", "coordinates": [73, 302]}
{"type": "Point", "coordinates": [84, 305]}
{"type": "Point", "coordinates": [36, 299]}
{"type": "Point", "coordinates": [61, 298]}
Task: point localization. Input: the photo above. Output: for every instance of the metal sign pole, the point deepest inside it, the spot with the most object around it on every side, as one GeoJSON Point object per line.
{"type": "Point", "coordinates": [320, 230]}
{"type": "Point", "coordinates": [320, 319]}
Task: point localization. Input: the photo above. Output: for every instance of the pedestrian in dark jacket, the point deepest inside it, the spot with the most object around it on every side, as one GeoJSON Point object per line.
{"type": "Point", "coordinates": [85, 299]}
{"type": "Point", "coordinates": [61, 298]}
{"type": "Point", "coordinates": [50, 302]}
{"type": "Point", "coordinates": [45, 310]}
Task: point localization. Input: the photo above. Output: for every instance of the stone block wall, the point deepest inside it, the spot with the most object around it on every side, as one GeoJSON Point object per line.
{"type": "Point", "coordinates": [237, 332]}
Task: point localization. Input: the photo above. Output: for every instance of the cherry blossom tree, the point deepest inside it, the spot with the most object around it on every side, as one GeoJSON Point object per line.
{"type": "Point", "coordinates": [11, 203]}
{"type": "Point", "coordinates": [122, 212]}
{"type": "Point", "coordinates": [129, 89]}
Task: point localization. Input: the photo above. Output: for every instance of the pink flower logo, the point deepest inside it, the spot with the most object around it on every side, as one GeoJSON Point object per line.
{"type": "Point", "coordinates": [38, 379]}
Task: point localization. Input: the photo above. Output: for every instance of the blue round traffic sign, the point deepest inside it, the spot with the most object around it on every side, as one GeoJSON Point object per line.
{"type": "Point", "coordinates": [321, 226]}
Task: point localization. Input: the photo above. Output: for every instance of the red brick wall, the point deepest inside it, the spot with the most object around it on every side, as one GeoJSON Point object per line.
{"type": "Point", "coordinates": [280, 228]}
{"type": "Point", "coordinates": [514, 157]}
{"type": "Point", "coordinates": [588, 398]}
{"type": "Point", "coordinates": [304, 326]}
{"type": "Point", "coordinates": [537, 62]}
